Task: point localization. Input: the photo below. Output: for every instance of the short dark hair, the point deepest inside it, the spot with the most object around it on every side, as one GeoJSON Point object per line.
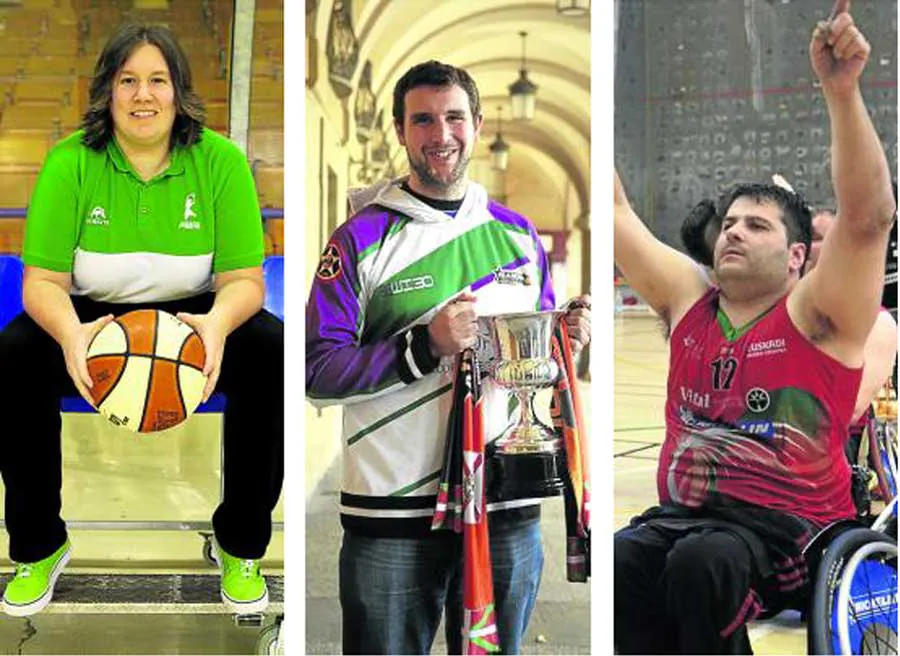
{"type": "Point", "coordinates": [434, 74]}
{"type": "Point", "coordinates": [693, 232]}
{"type": "Point", "coordinates": [190, 113]}
{"type": "Point", "coordinates": [830, 209]}
{"type": "Point", "coordinates": [795, 211]}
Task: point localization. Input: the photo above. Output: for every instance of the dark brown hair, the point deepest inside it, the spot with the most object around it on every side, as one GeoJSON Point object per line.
{"type": "Point", "coordinates": [190, 113]}
{"type": "Point", "coordinates": [434, 74]}
{"type": "Point", "coordinates": [795, 211]}
{"type": "Point", "coordinates": [695, 234]}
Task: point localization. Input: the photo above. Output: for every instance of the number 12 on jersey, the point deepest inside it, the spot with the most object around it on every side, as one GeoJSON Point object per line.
{"type": "Point", "coordinates": [723, 373]}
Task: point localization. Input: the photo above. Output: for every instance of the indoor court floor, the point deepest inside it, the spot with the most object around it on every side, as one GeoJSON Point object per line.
{"type": "Point", "coordinates": [139, 591]}
{"type": "Point", "coordinates": [641, 365]}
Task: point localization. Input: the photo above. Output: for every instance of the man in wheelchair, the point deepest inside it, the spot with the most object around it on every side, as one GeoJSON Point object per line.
{"type": "Point", "coordinates": [872, 452]}
{"type": "Point", "coordinates": [763, 376]}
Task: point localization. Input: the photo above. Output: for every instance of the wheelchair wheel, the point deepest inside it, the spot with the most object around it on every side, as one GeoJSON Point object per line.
{"type": "Point", "coordinates": [865, 586]}
{"type": "Point", "coordinates": [867, 601]}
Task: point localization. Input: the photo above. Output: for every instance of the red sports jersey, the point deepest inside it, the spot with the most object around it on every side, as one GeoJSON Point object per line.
{"type": "Point", "coordinates": [761, 417]}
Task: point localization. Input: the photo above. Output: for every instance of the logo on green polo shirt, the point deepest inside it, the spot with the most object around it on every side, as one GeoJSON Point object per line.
{"type": "Point", "coordinates": [98, 217]}
{"type": "Point", "coordinates": [189, 222]}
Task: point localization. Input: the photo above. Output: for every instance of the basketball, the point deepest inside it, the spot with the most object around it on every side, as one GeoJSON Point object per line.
{"type": "Point", "coordinates": [147, 369]}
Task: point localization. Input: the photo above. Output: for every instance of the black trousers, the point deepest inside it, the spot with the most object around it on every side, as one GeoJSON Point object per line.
{"type": "Point", "coordinates": [683, 591]}
{"type": "Point", "coordinates": [33, 379]}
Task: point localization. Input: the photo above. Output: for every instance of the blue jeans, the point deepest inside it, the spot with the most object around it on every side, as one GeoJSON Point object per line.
{"type": "Point", "coordinates": [393, 590]}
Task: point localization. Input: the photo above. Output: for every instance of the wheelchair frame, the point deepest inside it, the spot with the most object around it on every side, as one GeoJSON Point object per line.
{"type": "Point", "coordinates": [868, 550]}
{"type": "Point", "coordinates": [857, 557]}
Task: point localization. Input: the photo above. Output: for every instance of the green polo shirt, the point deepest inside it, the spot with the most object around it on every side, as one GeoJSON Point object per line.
{"type": "Point", "coordinates": [125, 240]}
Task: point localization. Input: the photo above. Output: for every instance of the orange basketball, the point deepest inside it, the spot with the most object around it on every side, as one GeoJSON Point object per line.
{"type": "Point", "coordinates": [147, 369]}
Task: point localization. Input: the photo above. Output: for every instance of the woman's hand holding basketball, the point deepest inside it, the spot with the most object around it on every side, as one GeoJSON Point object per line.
{"type": "Point", "coordinates": [213, 335]}
{"type": "Point", "coordinates": [75, 352]}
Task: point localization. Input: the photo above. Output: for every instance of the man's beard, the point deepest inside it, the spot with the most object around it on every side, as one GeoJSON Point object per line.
{"type": "Point", "coordinates": [429, 179]}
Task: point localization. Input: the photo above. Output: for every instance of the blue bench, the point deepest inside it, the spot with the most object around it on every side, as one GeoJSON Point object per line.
{"type": "Point", "coordinates": [12, 270]}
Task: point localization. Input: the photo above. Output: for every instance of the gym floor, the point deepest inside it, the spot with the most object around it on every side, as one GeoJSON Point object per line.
{"type": "Point", "coordinates": [141, 591]}
{"type": "Point", "coordinates": [641, 365]}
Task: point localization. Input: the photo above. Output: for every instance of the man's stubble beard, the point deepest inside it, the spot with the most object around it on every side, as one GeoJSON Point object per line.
{"type": "Point", "coordinates": [757, 279]}
{"type": "Point", "coordinates": [432, 182]}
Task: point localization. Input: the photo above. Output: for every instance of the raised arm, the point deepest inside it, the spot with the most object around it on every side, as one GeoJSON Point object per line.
{"type": "Point", "coordinates": [668, 280]}
{"type": "Point", "coordinates": [838, 301]}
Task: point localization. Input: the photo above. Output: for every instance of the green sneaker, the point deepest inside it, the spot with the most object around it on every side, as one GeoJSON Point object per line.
{"type": "Point", "coordinates": [244, 589]}
{"type": "Point", "coordinates": [31, 588]}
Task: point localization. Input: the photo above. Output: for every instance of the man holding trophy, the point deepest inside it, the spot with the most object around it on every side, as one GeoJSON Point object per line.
{"type": "Point", "coordinates": [397, 333]}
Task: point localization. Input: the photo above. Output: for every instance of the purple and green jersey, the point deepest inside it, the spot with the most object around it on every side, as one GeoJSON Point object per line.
{"type": "Point", "coordinates": [382, 278]}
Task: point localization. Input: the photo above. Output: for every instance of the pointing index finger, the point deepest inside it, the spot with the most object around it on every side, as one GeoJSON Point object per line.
{"type": "Point", "coordinates": [839, 7]}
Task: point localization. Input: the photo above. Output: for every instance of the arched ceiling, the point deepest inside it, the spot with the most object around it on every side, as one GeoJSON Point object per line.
{"type": "Point", "coordinates": [482, 37]}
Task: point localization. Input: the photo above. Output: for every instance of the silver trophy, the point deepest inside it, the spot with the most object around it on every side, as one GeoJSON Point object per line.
{"type": "Point", "coordinates": [527, 456]}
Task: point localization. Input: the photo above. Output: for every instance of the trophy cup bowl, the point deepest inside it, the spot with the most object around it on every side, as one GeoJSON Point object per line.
{"type": "Point", "coordinates": [528, 458]}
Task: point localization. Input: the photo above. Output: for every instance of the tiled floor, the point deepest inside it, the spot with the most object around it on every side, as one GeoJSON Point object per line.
{"type": "Point", "coordinates": [87, 633]}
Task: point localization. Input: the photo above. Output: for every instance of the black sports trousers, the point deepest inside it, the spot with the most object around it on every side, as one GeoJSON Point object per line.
{"type": "Point", "coordinates": [683, 591]}
{"type": "Point", "coordinates": [33, 379]}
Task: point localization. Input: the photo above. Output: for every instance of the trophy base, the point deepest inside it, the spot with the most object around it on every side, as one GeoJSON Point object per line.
{"type": "Point", "coordinates": [524, 475]}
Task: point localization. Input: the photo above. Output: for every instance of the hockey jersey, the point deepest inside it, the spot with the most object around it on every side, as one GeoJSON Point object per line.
{"type": "Point", "coordinates": [381, 279]}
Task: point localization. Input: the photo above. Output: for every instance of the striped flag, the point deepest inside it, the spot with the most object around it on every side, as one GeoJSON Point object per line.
{"type": "Point", "coordinates": [448, 509]}
{"type": "Point", "coordinates": [568, 422]}
{"type": "Point", "coordinates": [479, 620]}
{"type": "Point", "coordinates": [462, 505]}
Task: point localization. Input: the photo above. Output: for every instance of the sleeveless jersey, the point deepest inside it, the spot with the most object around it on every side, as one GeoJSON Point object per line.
{"type": "Point", "coordinates": [761, 417]}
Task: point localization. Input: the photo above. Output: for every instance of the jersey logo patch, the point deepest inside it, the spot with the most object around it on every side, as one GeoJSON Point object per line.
{"type": "Point", "coordinates": [768, 347]}
{"type": "Point", "coordinates": [695, 398]}
{"type": "Point", "coordinates": [330, 267]}
{"type": "Point", "coordinates": [409, 285]}
{"type": "Point", "coordinates": [757, 400]}
{"type": "Point", "coordinates": [189, 222]}
{"type": "Point", "coordinates": [97, 217]}
{"type": "Point", "coordinates": [504, 277]}
{"type": "Point", "coordinates": [760, 428]}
